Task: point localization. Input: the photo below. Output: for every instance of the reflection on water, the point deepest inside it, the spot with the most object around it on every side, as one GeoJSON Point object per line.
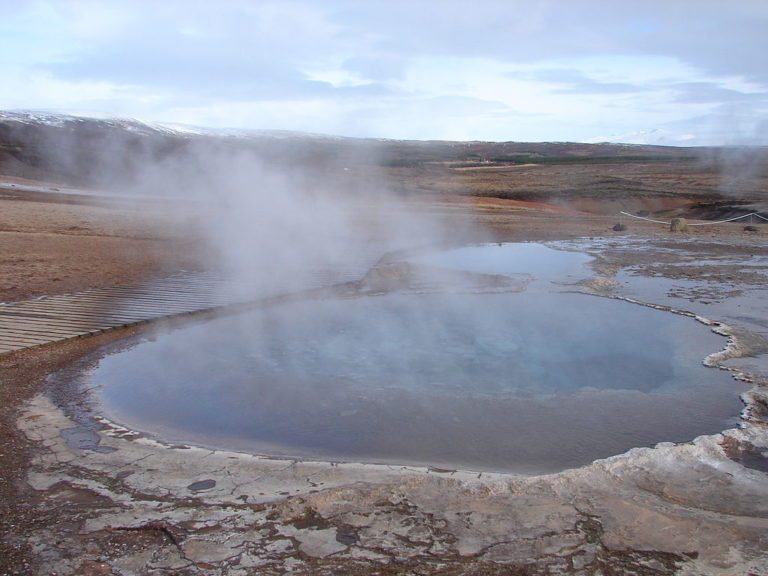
{"type": "Point", "coordinates": [525, 382]}
{"type": "Point", "coordinates": [532, 258]}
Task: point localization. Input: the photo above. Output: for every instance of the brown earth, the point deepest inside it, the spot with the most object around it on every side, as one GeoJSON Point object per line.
{"type": "Point", "coordinates": [57, 243]}
{"type": "Point", "coordinates": [605, 188]}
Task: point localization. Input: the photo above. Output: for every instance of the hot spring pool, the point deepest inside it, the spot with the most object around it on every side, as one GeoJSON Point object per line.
{"type": "Point", "coordinates": [531, 382]}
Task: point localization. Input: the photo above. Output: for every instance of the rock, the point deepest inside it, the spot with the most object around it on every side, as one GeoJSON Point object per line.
{"type": "Point", "coordinates": [619, 227]}
{"type": "Point", "coordinates": [388, 276]}
{"type": "Point", "coordinates": [678, 225]}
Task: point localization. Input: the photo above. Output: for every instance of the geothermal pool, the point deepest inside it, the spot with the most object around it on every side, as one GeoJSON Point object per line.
{"type": "Point", "coordinates": [529, 381]}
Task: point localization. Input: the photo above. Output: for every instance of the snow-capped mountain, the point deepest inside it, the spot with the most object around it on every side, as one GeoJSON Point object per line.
{"type": "Point", "coordinates": [56, 119]}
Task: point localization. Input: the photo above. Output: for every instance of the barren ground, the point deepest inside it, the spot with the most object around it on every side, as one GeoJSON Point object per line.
{"type": "Point", "coordinates": [139, 507]}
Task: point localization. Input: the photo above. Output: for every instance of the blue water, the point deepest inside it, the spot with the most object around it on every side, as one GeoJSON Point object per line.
{"type": "Point", "coordinates": [531, 258]}
{"type": "Point", "coordinates": [526, 382]}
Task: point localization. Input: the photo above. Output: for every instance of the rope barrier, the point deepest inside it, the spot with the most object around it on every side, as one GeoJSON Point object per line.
{"type": "Point", "coordinates": [729, 220]}
{"type": "Point", "coordinates": [697, 223]}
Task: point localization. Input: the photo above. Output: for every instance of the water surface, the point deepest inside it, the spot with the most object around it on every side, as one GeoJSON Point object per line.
{"type": "Point", "coordinates": [529, 382]}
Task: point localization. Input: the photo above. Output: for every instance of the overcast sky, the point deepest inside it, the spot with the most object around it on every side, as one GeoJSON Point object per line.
{"type": "Point", "coordinates": [684, 72]}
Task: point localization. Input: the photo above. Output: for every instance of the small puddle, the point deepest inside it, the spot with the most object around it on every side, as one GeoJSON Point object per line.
{"type": "Point", "coordinates": [202, 485]}
{"type": "Point", "coordinates": [80, 438]}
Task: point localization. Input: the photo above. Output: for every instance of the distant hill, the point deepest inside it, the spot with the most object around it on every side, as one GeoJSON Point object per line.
{"type": "Point", "coordinates": [115, 154]}
{"type": "Point", "coordinates": [85, 151]}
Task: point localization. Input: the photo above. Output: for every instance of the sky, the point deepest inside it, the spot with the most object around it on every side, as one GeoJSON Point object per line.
{"type": "Point", "coordinates": [679, 72]}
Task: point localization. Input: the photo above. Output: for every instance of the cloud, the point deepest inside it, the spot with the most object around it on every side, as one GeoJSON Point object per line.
{"type": "Point", "coordinates": [374, 66]}
{"type": "Point", "coordinates": [574, 81]}
{"type": "Point", "coordinates": [634, 65]}
{"type": "Point", "coordinates": [715, 92]}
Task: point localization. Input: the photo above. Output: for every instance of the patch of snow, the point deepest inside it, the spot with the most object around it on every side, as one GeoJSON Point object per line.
{"type": "Point", "coordinates": [34, 117]}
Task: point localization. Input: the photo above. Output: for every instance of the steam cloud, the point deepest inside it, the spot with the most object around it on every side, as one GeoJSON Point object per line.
{"type": "Point", "coordinates": [270, 215]}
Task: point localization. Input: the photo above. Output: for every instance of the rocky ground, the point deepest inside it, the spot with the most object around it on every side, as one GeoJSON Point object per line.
{"type": "Point", "coordinates": [104, 500]}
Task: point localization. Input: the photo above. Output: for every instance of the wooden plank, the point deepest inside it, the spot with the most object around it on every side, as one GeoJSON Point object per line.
{"type": "Point", "coordinates": [21, 341]}
{"type": "Point", "coordinates": [40, 330]}
{"type": "Point", "coordinates": [160, 296]}
{"type": "Point", "coordinates": [37, 338]}
{"type": "Point", "coordinates": [185, 281]}
{"type": "Point", "coordinates": [151, 304]}
{"type": "Point", "coordinates": [78, 316]}
{"type": "Point", "coordinates": [151, 289]}
{"type": "Point", "coordinates": [69, 310]}
{"type": "Point", "coordinates": [70, 314]}
{"type": "Point", "coordinates": [8, 335]}
{"type": "Point", "coordinates": [33, 326]}
{"type": "Point", "coordinates": [7, 341]}
{"type": "Point", "coordinates": [52, 310]}
{"type": "Point", "coordinates": [72, 319]}
{"type": "Point", "coordinates": [75, 315]}
{"type": "Point", "coordinates": [23, 313]}
{"type": "Point", "coordinates": [10, 348]}
{"type": "Point", "coordinates": [169, 298]}
{"type": "Point", "coordinates": [207, 289]}
{"type": "Point", "coordinates": [60, 317]}
{"type": "Point", "coordinates": [164, 291]}
{"type": "Point", "coordinates": [24, 336]}
{"type": "Point", "coordinates": [47, 307]}
{"type": "Point", "coordinates": [50, 332]}
{"type": "Point", "coordinates": [194, 284]}
{"type": "Point", "coordinates": [72, 325]}
{"type": "Point", "coordinates": [154, 313]}
{"type": "Point", "coordinates": [56, 302]}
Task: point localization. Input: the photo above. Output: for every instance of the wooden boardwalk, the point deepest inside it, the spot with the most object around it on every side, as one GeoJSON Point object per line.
{"type": "Point", "coordinates": [55, 318]}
